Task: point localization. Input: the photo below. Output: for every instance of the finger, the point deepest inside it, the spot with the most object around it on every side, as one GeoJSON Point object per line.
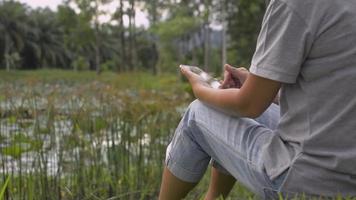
{"type": "Point", "coordinates": [191, 76]}
{"type": "Point", "coordinates": [239, 73]}
{"type": "Point", "coordinates": [228, 66]}
{"type": "Point", "coordinates": [235, 72]}
{"type": "Point", "coordinates": [227, 80]}
{"type": "Point", "coordinates": [234, 69]}
{"type": "Point", "coordinates": [226, 76]}
{"type": "Point", "coordinates": [230, 83]}
{"type": "Point", "coordinates": [242, 69]}
{"type": "Point", "coordinates": [185, 71]}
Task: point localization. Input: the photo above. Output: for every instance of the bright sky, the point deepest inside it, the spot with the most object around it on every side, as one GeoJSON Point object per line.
{"type": "Point", "coordinates": [141, 17]}
{"type": "Point", "coordinates": [42, 3]}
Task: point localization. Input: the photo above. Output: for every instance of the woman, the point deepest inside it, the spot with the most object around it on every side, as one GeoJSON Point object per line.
{"type": "Point", "coordinates": [307, 51]}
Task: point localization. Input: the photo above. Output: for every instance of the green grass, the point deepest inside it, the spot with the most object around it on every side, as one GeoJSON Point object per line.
{"type": "Point", "coordinates": [127, 80]}
{"type": "Point", "coordinates": [3, 188]}
{"type": "Point", "coordinates": [101, 154]}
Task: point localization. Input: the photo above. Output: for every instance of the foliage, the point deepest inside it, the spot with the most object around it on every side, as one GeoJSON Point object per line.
{"type": "Point", "coordinates": [175, 27]}
{"type": "Point", "coordinates": [167, 31]}
{"type": "Point", "coordinates": [13, 30]}
{"type": "Point", "coordinates": [80, 64]}
{"type": "Point", "coordinates": [244, 22]}
{"type": "Point", "coordinates": [41, 38]}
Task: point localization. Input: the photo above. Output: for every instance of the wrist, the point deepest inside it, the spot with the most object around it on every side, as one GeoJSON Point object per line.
{"type": "Point", "coordinates": [199, 90]}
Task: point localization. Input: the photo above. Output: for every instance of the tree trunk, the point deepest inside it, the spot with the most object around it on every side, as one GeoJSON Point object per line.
{"type": "Point", "coordinates": [97, 46]}
{"type": "Point", "coordinates": [122, 35]}
{"type": "Point", "coordinates": [154, 12]}
{"type": "Point", "coordinates": [206, 46]}
{"type": "Point", "coordinates": [97, 52]}
{"type": "Point", "coordinates": [7, 64]}
{"type": "Point", "coordinates": [206, 31]}
{"type": "Point", "coordinates": [131, 51]}
{"type": "Point", "coordinates": [134, 50]}
{"type": "Point", "coordinates": [223, 46]}
{"type": "Point", "coordinates": [7, 53]}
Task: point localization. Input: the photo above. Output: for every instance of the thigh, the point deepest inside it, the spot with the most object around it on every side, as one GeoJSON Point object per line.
{"type": "Point", "coordinates": [236, 143]}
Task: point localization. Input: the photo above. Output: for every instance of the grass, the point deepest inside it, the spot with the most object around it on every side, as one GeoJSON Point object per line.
{"type": "Point", "coordinates": [3, 188]}
{"type": "Point", "coordinates": [126, 80]}
{"type": "Point", "coordinates": [75, 135]}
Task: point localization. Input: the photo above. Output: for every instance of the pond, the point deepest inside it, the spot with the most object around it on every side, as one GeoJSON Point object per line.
{"type": "Point", "coordinates": [78, 141]}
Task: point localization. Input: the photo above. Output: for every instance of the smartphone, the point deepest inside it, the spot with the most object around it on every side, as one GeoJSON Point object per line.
{"type": "Point", "coordinates": [213, 82]}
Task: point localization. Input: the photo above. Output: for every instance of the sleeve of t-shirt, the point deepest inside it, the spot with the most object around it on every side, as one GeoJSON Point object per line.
{"type": "Point", "coordinates": [282, 45]}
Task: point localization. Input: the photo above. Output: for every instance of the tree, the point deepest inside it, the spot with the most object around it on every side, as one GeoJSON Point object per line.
{"type": "Point", "coordinates": [132, 29]}
{"type": "Point", "coordinates": [119, 15]}
{"type": "Point", "coordinates": [244, 21]}
{"type": "Point", "coordinates": [169, 33]}
{"type": "Point", "coordinates": [13, 28]}
{"type": "Point", "coordinates": [153, 8]}
{"type": "Point", "coordinates": [91, 11]}
{"type": "Point", "coordinates": [45, 40]}
{"type": "Point", "coordinates": [179, 32]}
{"type": "Point", "coordinates": [79, 36]}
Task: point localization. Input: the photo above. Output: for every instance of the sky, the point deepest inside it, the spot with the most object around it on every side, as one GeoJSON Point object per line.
{"type": "Point", "coordinates": [141, 17]}
{"type": "Point", "coordinates": [42, 3]}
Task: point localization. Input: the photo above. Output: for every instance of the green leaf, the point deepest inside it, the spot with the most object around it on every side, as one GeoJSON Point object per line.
{"type": "Point", "coordinates": [14, 151]}
{"type": "Point", "coordinates": [12, 119]}
{"type": "Point", "coordinates": [3, 188]}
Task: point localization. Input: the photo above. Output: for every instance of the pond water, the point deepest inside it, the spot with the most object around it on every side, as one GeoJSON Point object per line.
{"type": "Point", "coordinates": [51, 129]}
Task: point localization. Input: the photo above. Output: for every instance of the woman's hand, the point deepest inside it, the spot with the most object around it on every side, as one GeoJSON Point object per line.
{"type": "Point", "coordinates": [234, 77]}
{"type": "Point", "coordinates": [251, 100]}
{"type": "Point", "coordinates": [195, 80]}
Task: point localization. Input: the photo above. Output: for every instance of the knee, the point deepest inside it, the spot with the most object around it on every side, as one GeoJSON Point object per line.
{"type": "Point", "coordinates": [189, 118]}
{"type": "Point", "coordinates": [195, 106]}
{"type": "Point", "coordinates": [192, 111]}
{"type": "Point", "coordinates": [195, 103]}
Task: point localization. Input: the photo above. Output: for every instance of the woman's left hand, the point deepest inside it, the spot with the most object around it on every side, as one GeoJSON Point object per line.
{"type": "Point", "coordinates": [195, 80]}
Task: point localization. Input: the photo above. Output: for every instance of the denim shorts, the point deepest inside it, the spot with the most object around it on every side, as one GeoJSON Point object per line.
{"type": "Point", "coordinates": [234, 145]}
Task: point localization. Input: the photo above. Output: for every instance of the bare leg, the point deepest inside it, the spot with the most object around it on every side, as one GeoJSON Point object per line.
{"type": "Point", "coordinates": [220, 185]}
{"type": "Point", "coordinates": [173, 188]}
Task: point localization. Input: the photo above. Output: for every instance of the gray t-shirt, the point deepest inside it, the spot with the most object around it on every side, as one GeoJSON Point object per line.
{"type": "Point", "coordinates": [310, 46]}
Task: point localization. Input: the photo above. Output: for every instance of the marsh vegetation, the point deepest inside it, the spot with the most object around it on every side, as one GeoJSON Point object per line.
{"type": "Point", "coordinates": [70, 135]}
{"type": "Point", "coordinates": [87, 138]}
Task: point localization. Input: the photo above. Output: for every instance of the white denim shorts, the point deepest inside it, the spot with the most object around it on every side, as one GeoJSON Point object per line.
{"type": "Point", "coordinates": [233, 144]}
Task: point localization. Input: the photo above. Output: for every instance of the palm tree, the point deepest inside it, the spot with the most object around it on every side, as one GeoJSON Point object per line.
{"type": "Point", "coordinates": [13, 28]}
{"type": "Point", "coordinates": [45, 39]}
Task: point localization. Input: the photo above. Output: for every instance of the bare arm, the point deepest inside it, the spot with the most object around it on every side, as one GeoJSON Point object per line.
{"type": "Point", "coordinates": [251, 100]}
{"type": "Point", "coordinates": [236, 77]}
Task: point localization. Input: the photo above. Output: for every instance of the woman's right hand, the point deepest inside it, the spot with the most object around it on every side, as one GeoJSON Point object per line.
{"type": "Point", "coordinates": [234, 77]}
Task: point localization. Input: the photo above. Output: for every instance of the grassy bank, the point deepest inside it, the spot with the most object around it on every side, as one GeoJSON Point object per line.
{"type": "Point", "coordinates": [76, 135]}
{"type": "Point", "coordinates": [127, 80]}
